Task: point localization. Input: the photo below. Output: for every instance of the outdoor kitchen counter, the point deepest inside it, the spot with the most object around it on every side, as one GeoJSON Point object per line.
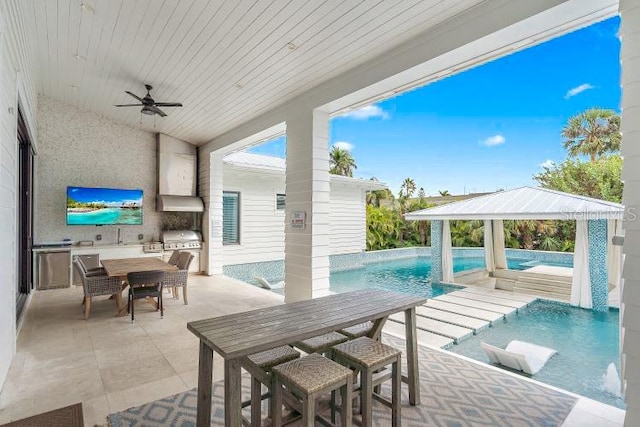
{"type": "Point", "coordinates": [238, 335]}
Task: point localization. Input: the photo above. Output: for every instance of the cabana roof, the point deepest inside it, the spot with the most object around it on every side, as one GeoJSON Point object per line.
{"type": "Point", "coordinates": [523, 203]}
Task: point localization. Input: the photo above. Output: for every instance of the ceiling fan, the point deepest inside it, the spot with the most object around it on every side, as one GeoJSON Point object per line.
{"type": "Point", "coordinates": [149, 106]}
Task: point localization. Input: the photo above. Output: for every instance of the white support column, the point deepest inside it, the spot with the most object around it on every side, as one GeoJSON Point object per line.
{"type": "Point", "coordinates": [630, 126]}
{"type": "Point", "coordinates": [499, 253]}
{"type": "Point", "coordinates": [213, 215]}
{"type": "Point", "coordinates": [307, 189]}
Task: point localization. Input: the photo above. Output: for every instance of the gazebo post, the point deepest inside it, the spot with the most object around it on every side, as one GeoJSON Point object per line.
{"type": "Point", "coordinates": [598, 268]}
{"type": "Point", "coordinates": [436, 251]}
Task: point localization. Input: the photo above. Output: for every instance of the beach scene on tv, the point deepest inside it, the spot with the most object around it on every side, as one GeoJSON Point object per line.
{"type": "Point", "coordinates": [103, 206]}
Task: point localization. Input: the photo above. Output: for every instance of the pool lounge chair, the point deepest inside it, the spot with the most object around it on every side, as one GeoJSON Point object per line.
{"type": "Point", "coordinates": [267, 285]}
{"type": "Point", "coordinates": [520, 356]}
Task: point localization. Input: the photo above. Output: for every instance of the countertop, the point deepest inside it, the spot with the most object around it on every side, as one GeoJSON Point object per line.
{"type": "Point", "coordinates": [61, 248]}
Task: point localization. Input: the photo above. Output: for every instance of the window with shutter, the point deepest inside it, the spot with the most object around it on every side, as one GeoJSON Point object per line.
{"type": "Point", "coordinates": [230, 217]}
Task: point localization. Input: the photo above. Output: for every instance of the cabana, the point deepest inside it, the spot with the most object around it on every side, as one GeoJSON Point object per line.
{"type": "Point", "coordinates": [596, 259]}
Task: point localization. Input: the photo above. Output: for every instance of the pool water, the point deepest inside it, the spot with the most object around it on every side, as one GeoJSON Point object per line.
{"type": "Point", "coordinates": [512, 263]}
{"type": "Point", "coordinates": [586, 342]}
{"type": "Point", "coordinates": [410, 276]}
{"type": "Point", "coordinates": [413, 275]}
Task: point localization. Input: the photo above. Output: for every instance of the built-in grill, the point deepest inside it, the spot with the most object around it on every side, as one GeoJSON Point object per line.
{"type": "Point", "coordinates": [181, 239]}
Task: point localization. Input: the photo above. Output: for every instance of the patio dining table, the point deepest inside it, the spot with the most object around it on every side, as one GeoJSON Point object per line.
{"type": "Point", "coordinates": [123, 266]}
{"type": "Point", "coordinates": [239, 335]}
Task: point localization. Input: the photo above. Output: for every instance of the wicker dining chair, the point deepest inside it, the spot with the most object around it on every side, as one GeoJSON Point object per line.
{"type": "Point", "coordinates": [178, 279]}
{"type": "Point", "coordinates": [143, 284]}
{"type": "Point", "coordinates": [173, 259]}
{"type": "Point", "coordinates": [96, 285]}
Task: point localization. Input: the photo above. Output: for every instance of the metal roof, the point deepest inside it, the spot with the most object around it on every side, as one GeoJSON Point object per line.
{"type": "Point", "coordinates": [243, 159]}
{"type": "Point", "coordinates": [524, 203]}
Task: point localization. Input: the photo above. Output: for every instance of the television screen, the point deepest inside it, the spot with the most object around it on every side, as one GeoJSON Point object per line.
{"type": "Point", "coordinates": [103, 206]}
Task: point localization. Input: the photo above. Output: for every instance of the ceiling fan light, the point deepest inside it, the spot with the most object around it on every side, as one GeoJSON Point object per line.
{"type": "Point", "coordinates": [147, 110]}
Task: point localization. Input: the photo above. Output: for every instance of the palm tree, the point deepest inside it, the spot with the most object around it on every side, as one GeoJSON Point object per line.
{"type": "Point", "coordinates": [592, 133]}
{"type": "Point", "coordinates": [375, 197]}
{"type": "Point", "coordinates": [407, 188]}
{"type": "Point", "coordinates": [444, 192]}
{"type": "Point", "coordinates": [342, 162]}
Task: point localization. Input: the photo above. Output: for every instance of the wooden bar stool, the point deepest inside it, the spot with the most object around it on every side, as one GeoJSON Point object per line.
{"type": "Point", "coordinates": [304, 380]}
{"type": "Point", "coordinates": [357, 331]}
{"type": "Point", "coordinates": [259, 365]}
{"type": "Point", "coordinates": [321, 343]}
{"type": "Point", "coordinates": [369, 356]}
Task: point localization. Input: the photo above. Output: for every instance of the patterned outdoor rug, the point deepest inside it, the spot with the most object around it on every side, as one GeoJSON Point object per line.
{"type": "Point", "coordinates": [454, 392]}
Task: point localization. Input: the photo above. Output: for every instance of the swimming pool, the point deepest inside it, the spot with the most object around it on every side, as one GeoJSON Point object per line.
{"type": "Point", "coordinates": [586, 342]}
{"type": "Point", "coordinates": [410, 276]}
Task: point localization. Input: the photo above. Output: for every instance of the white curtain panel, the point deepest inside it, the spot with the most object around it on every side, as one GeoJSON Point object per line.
{"type": "Point", "coordinates": [581, 285]}
{"type": "Point", "coordinates": [447, 256]}
{"type": "Point", "coordinates": [499, 254]}
{"type": "Point", "coordinates": [488, 247]}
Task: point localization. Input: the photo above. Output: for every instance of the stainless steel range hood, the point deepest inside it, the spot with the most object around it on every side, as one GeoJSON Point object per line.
{"type": "Point", "coordinates": [177, 172]}
{"type": "Point", "coordinates": [168, 203]}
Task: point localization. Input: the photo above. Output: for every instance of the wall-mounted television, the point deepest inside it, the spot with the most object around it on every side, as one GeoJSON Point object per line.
{"type": "Point", "coordinates": [103, 206]}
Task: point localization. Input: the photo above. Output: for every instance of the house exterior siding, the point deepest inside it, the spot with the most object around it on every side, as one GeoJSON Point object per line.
{"type": "Point", "coordinates": [262, 225]}
{"type": "Point", "coordinates": [630, 127]}
{"type": "Point", "coordinates": [17, 84]}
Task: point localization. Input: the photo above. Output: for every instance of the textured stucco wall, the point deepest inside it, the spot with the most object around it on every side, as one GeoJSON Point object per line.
{"type": "Point", "coordinates": [84, 149]}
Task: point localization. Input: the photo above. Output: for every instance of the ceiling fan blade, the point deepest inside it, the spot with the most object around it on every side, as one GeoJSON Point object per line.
{"type": "Point", "coordinates": [134, 95]}
{"type": "Point", "coordinates": [168, 104]}
{"type": "Point", "coordinates": [129, 105]}
{"type": "Point", "coordinates": [158, 111]}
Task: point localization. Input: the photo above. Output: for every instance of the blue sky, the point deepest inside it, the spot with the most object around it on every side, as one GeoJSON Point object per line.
{"type": "Point", "coordinates": [109, 196]}
{"type": "Point", "coordinates": [486, 128]}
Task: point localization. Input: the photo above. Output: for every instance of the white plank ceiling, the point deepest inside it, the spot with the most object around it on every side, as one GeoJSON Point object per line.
{"type": "Point", "coordinates": [226, 60]}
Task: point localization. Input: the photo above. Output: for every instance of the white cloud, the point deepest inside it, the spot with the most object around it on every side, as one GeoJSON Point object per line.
{"type": "Point", "coordinates": [547, 164]}
{"type": "Point", "coordinates": [343, 145]}
{"type": "Point", "coordinates": [577, 90]}
{"type": "Point", "coordinates": [493, 141]}
{"type": "Point", "coordinates": [367, 112]}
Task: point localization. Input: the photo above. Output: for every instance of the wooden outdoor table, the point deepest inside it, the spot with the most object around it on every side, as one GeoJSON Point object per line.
{"type": "Point", "coordinates": [122, 267]}
{"type": "Point", "coordinates": [239, 335]}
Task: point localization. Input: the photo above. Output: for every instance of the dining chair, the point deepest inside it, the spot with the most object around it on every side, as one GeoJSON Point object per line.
{"type": "Point", "coordinates": [178, 279]}
{"type": "Point", "coordinates": [173, 259]}
{"type": "Point", "coordinates": [96, 284]}
{"type": "Point", "coordinates": [143, 284]}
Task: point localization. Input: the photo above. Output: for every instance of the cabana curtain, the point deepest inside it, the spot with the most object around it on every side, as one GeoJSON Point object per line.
{"type": "Point", "coordinates": [581, 284]}
{"type": "Point", "coordinates": [499, 253]}
{"type": "Point", "coordinates": [488, 246]}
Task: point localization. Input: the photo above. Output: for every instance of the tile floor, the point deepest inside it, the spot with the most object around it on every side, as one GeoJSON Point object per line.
{"type": "Point", "coordinates": [110, 364]}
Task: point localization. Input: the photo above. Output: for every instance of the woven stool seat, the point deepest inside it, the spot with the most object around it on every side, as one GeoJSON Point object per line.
{"type": "Point", "coordinates": [259, 366]}
{"type": "Point", "coordinates": [357, 331]}
{"type": "Point", "coordinates": [313, 373]}
{"type": "Point", "coordinates": [321, 343]}
{"type": "Point", "coordinates": [371, 358]}
{"type": "Point", "coordinates": [304, 380]}
{"type": "Point", "coordinates": [269, 358]}
{"type": "Point", "coordinates": [367, 352]}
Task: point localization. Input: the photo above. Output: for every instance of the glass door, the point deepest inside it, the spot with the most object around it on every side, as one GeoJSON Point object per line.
{"type": "Point", "coordinates": [25, 215]}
